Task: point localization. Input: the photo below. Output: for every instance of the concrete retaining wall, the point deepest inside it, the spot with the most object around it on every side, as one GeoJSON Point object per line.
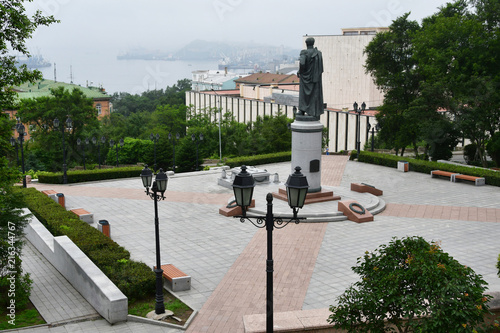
{"type": "Point", "coordinates": [82, 273]}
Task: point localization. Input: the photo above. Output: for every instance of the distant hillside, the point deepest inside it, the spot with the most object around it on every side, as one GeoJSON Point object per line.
{"type": "Point", "coordinates": [204, 50]}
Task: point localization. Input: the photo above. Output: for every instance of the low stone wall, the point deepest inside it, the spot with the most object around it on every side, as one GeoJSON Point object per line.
{"type": "Point", "coordinates": [80, 271]}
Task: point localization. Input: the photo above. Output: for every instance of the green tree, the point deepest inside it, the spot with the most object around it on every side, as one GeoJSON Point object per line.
{"type": "Point", "coordinates": [15, 29]}
{"type": "Point", "coordinates": [391, 63]}
{"type": "Point", "coordinates": [41, 112]}
{"type": "Point", "coordinates": [411, 285]}
{"type": "Point", "coordinates": [461, 68]}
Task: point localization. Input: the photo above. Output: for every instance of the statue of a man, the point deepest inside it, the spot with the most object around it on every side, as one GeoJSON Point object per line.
{"type": "Point", "coordinates": [311, 86]}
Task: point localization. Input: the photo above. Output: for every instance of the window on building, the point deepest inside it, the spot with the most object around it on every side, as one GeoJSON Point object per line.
{"type": "Point", "coordinates": [99, 108]}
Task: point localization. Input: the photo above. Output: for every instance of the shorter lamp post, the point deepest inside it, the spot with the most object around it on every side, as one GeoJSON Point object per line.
{"type": "Point", "coordinates": [158, 189]}
{"type": "Point", "coordinates": [193, 137]}
{"type": "Point", "coordinates": [296, 188]}
{"type": "Point", "coordinates": [86, 143]}
{"type": "Point", "coordinates": [69, 124]}
{"type": "Point", "coordinates": [13, 143]}
{"type": "Point", "coordinates": [359, 111]}
{"type": "Point", "coordinates": [112, 143]}
{"type": "Point", "coordinates": [375, 128]}
{"type": "Point", "coordinates": [155, 139]}
{"type": "Point", "coordinates": [21, 131]}
{"type": "Point", "coordinates": [95, 141]}
{"type": "Point", "coordinates": [177, 136]}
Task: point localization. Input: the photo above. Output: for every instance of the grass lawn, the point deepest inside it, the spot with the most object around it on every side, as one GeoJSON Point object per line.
{"type": "Point", "coordinates": [142, 307]}
{"type": "Point", "coordinates": [24, 318]}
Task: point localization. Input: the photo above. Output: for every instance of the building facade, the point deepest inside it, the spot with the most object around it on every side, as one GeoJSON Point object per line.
{"type": "Point", "coordinates": [43, 87]}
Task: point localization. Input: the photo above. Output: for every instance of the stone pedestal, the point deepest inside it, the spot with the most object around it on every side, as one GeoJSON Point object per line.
{"type": "Point", "coordinates": [306, 149]}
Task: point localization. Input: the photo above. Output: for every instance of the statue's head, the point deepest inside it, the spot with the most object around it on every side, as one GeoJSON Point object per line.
{"type": "Point", "coordinates": [310, 41]}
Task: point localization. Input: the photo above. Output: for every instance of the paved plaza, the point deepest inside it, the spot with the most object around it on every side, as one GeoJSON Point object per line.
{"type": "Point", "coordinates": [226, 258]}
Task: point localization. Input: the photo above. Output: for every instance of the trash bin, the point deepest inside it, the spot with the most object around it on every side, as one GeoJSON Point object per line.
{"type": "Point", "coordinates": [104, 227]}
{"type": "Point", "coordinates": [61, 200]}
{"type": "Point", "coordinates": [403, 166]}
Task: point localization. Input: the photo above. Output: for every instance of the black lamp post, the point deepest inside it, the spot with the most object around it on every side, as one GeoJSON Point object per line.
{"type": "Point", "coordinates": [112, 143]}
{"type": "Point", "coordinates": [69, 124]}
{"type": "Point", "coordinates": [79, 142]}
{"type": "Point", "coordinates": [375, 128]}
{"type": "Point", "coordinates": [155, 139]}
{"type": "Point", "coordinates": [193, 137]}
{"type": "Point", "coordinates": [177, 136]}
{"type": "Point", "coordinates": [358, 127]}
{"type": "Point", "coordinates": [95, 141]}
{"type": "Point", "coordinates": [21, 131]}
{"type": "Point", "coordinates": [158, 190]}
{"type": "Point", "coordinates": [296, 187]}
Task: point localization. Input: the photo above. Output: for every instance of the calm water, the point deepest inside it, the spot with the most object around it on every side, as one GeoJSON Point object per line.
{"type": "Point", "coordinates": [132, 76]}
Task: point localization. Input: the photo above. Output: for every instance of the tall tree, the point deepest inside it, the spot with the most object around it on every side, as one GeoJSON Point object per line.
{"type": "Point", "coordinates": [41, 113]}
{"type": "Point", "coordinates": [15, 28]}
{"type": "Point", "coordinates": [391, 63]}
{"type": "Point", "coordinates": [461, 68]}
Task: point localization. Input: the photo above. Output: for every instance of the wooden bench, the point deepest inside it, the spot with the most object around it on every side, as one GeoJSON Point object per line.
{"type": "Point", "coordinates": [57, 197]}
{"type": "Point", "coordinates": [440, 173]}
{"type": "Point", "coordinates": [83, 215]}
{"type": "Point", "coordinates": [175, 279]}
{"type": "Point", "coordinates": [478, 181]}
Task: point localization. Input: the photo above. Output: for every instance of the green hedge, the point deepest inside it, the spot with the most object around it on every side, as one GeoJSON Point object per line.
{"type": "Point", "coordinates": [135, 279]}
{"type": "Point", "coordinates": [492, 177]}
{"type": "Point", "coordinates": [79, 176]}
{"type": "Point", "coordinates": [259, 159]}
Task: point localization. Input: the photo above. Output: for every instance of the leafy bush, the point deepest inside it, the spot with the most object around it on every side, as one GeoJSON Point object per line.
{"type": "Point", "coordinates": [134, 279]}
{"type": "Point", "coordinates": [493, 148]}
{"type": "Point", "coordinates": [415, 286]}
{"type": "Point", "coordinates": [470, 153]}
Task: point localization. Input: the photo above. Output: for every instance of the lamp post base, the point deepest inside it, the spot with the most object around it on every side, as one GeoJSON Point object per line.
{"type": "Point", "coordinates": [160, 305]}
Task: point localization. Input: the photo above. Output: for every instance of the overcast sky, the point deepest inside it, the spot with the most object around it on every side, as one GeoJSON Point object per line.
{"type": "Point", "coordinates": [121, 25]}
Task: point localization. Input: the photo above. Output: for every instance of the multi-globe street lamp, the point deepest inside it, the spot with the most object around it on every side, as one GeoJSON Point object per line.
{"type": "Point", "coordinates": [193, 137]}
{"type": "Point", "coordinates": [86, 143]}
{"type": "Point", "coordinates": [158, 188]}
{"type": "Point", "coordinates": [155, 139]}
{"type": "Point", "coordinates": [68, 126]}
{"type": "Point", "coordinates": [296, 188]}
{"type": "Point", "coordinates": [112, 143]}
{"type": "Point", "coordinates": [177, 137]}
{"type": "Point", "coordinates": [359, 111]}
{"type": "Point", "coordinates": [95, 141]}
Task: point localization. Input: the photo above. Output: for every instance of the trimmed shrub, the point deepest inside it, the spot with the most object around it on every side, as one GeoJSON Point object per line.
{"type": "Point", "coordinates": [134, 279]}
{"type": "Point", "coordinates": [260, 159]}
{"type": "Point", "coordinates": [492, 177]}
{"type": "Point", "coordinates": [79, 176]}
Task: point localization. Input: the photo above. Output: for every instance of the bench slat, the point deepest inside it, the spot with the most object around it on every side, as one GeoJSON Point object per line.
{"type": "Point", "coordinates": [170, 272]}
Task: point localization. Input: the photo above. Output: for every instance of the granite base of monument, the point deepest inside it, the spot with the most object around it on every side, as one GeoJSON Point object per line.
{"type": "Point", "coordinates": [321, 196]}
{"type": "Point", "coordinates": [307, 133]}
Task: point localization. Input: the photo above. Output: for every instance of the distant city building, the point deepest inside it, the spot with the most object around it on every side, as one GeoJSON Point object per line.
{"type": "Point", "coordinates": [213, 79]}
{"type": "Point", "coordinates": [344, 82]}
{"type": "Point", "coordinates": [42, 88]}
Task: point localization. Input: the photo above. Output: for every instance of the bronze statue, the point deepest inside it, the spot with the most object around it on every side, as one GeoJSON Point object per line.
{"type": "Point", "coordinates": [311, 86]}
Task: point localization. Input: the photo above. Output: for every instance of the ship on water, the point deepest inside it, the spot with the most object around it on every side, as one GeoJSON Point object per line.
{"type": "Point", "coordinates": [32, 62]}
